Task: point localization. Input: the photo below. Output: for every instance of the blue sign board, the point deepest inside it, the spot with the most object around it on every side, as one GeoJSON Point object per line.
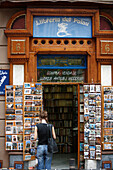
{"type": "Point", "coordinates": [4, 80]}
{"type": "Point", "coordinates": [62, 27]}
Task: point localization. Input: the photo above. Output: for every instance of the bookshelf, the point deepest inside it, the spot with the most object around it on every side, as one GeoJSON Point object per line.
{"type": "Point", "coordinates": [60, 101]}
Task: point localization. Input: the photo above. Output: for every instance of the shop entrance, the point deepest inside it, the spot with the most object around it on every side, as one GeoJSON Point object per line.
{"type": "Point", "coordinates": [60, 100]}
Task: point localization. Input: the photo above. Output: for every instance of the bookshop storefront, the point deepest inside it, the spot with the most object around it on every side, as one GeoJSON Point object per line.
{"type": "Point", "coordinates": [57, 51]}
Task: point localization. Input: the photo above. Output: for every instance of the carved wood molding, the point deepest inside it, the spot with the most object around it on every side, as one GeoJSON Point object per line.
{"type": "Point", "coordinates": [104, 60]}
{"type": "Point", "coordinates": [18, 60]}
{"type": "Point", "coordinates": [18, 46]}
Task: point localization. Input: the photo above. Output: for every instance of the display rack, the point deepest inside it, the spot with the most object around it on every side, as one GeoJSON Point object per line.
{"type": "Point", "coordinates": [81, 124]}
{"type": "Point", "coordinates": [32, 105]}
{"type": "Point", "coordinates": [92, 121]}
{"type": "Point", "coordinates": [14, 117]}
{"type": "Point", "coordinates": [107, 93]}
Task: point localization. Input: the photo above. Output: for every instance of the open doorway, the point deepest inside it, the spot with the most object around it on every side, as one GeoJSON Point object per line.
{"type": "Point", "coordinates": [61, 102]}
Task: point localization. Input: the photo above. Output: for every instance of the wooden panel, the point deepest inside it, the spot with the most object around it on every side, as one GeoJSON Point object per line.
{"type": "Point", "coordinates": [18, 46]}
{"type": "Point", "coordinates": [106, 47]}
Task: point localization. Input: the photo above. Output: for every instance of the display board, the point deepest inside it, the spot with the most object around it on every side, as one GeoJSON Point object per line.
{"type": "Point", "coordinates": [14, 117]}
{"type": "Point", "coordinates": [107, 93]}
{"type": "Point", "coordinates": [32, 105]}
{"type": "Point", "coordinates": [92, 121]}
{"type": "Point", "coordinates": [81, 122]}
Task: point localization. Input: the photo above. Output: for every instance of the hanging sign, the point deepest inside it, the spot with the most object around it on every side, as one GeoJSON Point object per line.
{"type": "Point", "coordinates": [4, 80]}
{"type": "Point", "coordinates": [62, 27]}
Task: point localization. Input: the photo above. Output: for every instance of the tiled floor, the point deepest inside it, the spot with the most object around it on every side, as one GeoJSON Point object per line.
{"type": "Point", "coordinates": [61, 161]}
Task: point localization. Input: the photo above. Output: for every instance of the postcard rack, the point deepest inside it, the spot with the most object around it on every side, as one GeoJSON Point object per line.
{"type": "Point", "coordinates": [107, 140]}
{"type": "Point", "coordinates": [32, 104]}
{"type": "Point", "coordinates": [14, 117]}
{"type": "Point", "coordinates": [92, 121]}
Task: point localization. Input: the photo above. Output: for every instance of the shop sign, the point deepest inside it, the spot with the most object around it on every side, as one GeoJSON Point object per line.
{"type": "Point", "coordinates": [106, 47]}
{"type": "Point", "coordinates": [4, 80]}
{"type": "Point", "coordinates": [62, 27]}
{"type": "Point", "coordinates": [58, 75]}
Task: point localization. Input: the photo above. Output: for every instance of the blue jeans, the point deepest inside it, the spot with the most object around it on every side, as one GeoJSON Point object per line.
{"type": "Point", "coordinates": [44, 157]}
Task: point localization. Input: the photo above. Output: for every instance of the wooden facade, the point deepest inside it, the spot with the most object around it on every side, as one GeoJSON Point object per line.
{"type": "Point", "coordinates": [22, 48]}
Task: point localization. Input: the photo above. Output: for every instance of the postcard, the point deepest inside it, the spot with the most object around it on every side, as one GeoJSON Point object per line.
{"type": "Point", "coordinates": [10, 106]}
{"type": "Point", "coordinates": [18, 105]}
{"type": "Point", "coordinates": [18, 93]}
{"type": "Point", "coordinates": [20, 138]}
{"type": "Point", "coordinates": [86, 147]}
{"type": "Point", "coordinates": [8, 145]}
{"type": "Point", "coordinates": [92, 119]}
{"type": "Point", "coordinates": [10, 117]}
{"type": "Point", "coordinates": [81, 107]}
{"type": "Point", "coordinates": [81, 118]}
{"type": "Point", "coordinates": [98, 96]}
{"type": "Point", "coordinates": [81, 146]}
{"type": "Point", "coordinates": [20, 146]}
{"type": "Point", "coordinates": [8, 130]}
{"type": "Point", "coordinates": [9, 87]}
{"type": "Point", "coordinates": [14, 146]}
{"type": "Point", "coordinates": [9, 99]}
{"type": "Point", "coordinates": [14, 138]}
{"type": "Point", "coordinates": [19, 122]}
{"type": "Point", "coordinates": [81, 98]}
{"type": "Point", "coordinates": [18, 99]}
{"type": "Point", "coordinates": [98, 133]}
{"type": "Point", "coordinates": [27, 97]}
{"type": "Point", "coordinates": [38, 85]}
{"type": "Point", "coordinates": [9, 138]}
{"type": "Point", "coordinates": [86, 140]}
{"type": "Point", "coordinates": [98, 156]}
{"type": "Point", "coordinates": [20, 129]}
{"type": "Point", "coordinates": [86, 155]}
{"type": "Point", "coordinates": [92, 154]}
{"type": "Point", "coordinates": [10, 111]}
{"type": "Point", "coordinates": [9, 123]}
{"type": "Point", "coordinates": [9, 93]}
{"type": "Point", "coordinates": [92, 88]}
{"type": "Point", "coordinates": [98, 103]}
{"type": "Point", "coordinates": [18, 112]}
{"type": "Point", "coordinates": [107, 146]}
{"type": "Point", "coordinates": [92, 148]}
{"type": "Point", "coordinates": [86, 88]}
{"type": "Point", "coordinates": [18, 117]}
{"type": "Point", "coordinates": [92, 126]}
{"type": "Point", "coordinates": [92, 96]}
{"type": "Point", "coordinates": [98, 88]}
{"type": "Point", "coordinates": [27, 157]}
{"type": "Point", "coordinates": [98, 148]}
{"type": "Point", "coordinates": [19, 87]}
{"type": "Point", "coordinates": [81, 88]}
{"type": "Point", "coordinates": [14, 129]}
{"type": "Point", "coordinates": [28, 144]}
{"type": "Point", "coordinates": [27, 91]}
{"type": "Point", "coordinates": [98, 141]}
{"type": "Point", "coordinates": [27, 85]}
{"type": "Point", "coordinates": [91, 142]}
